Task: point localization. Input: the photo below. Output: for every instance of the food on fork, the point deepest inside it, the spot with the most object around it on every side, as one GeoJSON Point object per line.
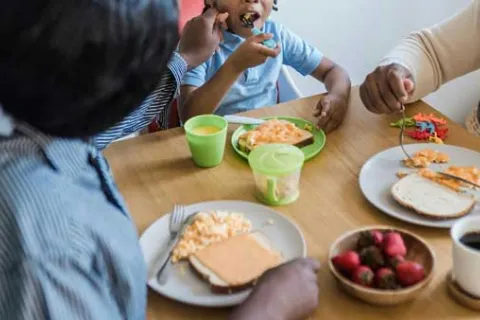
{"type": "Point", "coordinates": [208, 228]}
{"type": "Point", "coordinates": [275, 131]}
{"type": "Point", "coordinates": [431, 199]}
{"type": "Point", "coordinates": [424, 158]}
{"type": "Point", "coordinates": [236, 263]}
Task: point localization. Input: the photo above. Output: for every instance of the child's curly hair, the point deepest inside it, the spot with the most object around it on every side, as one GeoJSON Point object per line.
{"type": "Point", "coordinates": [207, 6]}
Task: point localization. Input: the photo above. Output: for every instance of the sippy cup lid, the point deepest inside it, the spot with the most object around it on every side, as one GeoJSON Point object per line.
{"type": "Point", "coordinates": [276, 159]}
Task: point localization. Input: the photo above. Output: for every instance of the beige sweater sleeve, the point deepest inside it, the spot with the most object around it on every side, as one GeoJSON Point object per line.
{"type": "Point", "coordinates": [441, 53]}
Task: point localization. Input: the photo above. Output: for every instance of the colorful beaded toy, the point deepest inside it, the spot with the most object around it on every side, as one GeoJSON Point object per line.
{"type": "Point", "coordinates": [427, 127]}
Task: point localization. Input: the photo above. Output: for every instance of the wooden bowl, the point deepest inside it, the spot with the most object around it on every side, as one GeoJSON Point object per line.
{"type": "Point", "coordinates": [417, 250]}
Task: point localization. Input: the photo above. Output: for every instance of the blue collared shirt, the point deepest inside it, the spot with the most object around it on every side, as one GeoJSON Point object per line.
{"type": "Point", "coordinates": [257, 87]}
{"type": "Point", "coordinates": [68, 247]}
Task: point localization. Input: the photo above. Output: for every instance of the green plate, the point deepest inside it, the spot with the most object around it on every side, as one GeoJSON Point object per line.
{"type": "Point", "coordinates": [310, 151]}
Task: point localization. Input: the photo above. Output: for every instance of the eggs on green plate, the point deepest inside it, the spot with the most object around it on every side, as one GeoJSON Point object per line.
{"type": "Point", "coordinates": [310, 149]}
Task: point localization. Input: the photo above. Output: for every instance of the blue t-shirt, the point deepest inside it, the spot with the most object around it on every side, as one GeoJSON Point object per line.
{"type": "Point", "coordinates": [257, 87]}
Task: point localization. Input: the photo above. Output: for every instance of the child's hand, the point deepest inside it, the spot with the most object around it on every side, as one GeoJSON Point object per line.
{"type": "Point", "coordinates": [252, 53]}
{"type": "Point", "coordinates": [330, 111]}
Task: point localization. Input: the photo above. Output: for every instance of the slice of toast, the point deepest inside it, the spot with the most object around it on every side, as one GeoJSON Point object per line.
{"type": "Point", "coordinates": [236, 256]}
{"type": "Point", "coordinates": [275, 131]}
{"type": "Point", "coordinates": [431, 199]}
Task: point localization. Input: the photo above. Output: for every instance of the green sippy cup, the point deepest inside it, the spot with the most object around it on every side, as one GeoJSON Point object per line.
{"type": "Point", "coordinates": [276, 169]}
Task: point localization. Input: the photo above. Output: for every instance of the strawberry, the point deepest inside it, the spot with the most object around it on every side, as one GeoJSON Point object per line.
{"type": "Point", "coordinates": [385, 278]}
{"type": "Point", "coordinates": [372, 257]}
{"type": "Point", "coordinates": [364, 276]}
{"type": "Point", "coordinates": [394, 261]}
{"type": "Point", "coordinates": [370, 238]}
{"type": "Point", "coordinates": [410, 273]}
{"type": "Point", "coordinates": [347, 262]}
{"type": "Point", "coordinates": [394, 245]}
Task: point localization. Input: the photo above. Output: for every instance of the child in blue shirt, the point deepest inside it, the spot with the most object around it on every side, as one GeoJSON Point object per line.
{"type": "Point", "coordinates": [243, 74]}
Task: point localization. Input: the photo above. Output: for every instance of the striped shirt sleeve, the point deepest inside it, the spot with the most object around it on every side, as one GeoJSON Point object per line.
{"type": "Point", "coordinates": [55, 290]}
{"type": "Point", "coordinates": [157, 103]}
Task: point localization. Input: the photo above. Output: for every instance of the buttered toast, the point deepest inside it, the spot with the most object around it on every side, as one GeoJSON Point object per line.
{"type": "Point", "coordinates": [275, 131]}
{"type": "Point", "coordinates": [431, 199]}
{"type": "Point", "coordinates": [236, 263]}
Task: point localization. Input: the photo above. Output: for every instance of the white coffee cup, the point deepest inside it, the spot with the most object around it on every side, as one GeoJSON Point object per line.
{"type": "Point", "coordinates": [466, 261]}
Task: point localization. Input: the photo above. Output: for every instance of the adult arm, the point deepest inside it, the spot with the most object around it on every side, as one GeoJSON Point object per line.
{"type": "Point", "coordinates": [200, 38]}
{"type": "Point", "coordinates": [441, 53]}
{"type": "Point", "coordinates": [424, 61]}
{"type": "Point", "coordinates": [157, 103]}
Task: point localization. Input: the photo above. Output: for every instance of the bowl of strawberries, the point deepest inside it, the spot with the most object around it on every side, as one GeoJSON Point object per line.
{"type": "Point", "coordinates": [382, 265]}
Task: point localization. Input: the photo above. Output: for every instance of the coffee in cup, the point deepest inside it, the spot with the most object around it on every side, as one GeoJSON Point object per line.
{"type": "Point", "coordinates": [466, 254]}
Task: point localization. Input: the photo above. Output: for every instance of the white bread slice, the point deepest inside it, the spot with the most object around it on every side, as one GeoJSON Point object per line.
{"type": "Point", "coordinates": [217, 284]}
{"type": "Point", "coordinates": [431, 199]}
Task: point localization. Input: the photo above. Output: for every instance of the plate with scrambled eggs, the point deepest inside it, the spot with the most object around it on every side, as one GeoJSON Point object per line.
{"type": "Point", "coordinates": [214, 222]}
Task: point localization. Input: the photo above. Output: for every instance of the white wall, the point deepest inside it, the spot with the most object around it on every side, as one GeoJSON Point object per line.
{"type": "Point", "coordinates": [358, 33]}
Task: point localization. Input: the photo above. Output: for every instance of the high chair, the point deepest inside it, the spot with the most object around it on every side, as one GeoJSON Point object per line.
{"type": "Point", "coordinates": [287, 89]}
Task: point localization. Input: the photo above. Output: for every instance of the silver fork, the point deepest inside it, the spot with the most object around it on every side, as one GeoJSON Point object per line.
{"type": "Point", "coordinates": [177, 220]}
{"type": "Point", "coordinates": [402, 130]}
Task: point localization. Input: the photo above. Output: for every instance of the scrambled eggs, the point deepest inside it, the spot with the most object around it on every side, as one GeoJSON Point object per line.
{"type": "Point", "coordinates": [469, 173]}
{"type": "Point", "coordinates": [424, 158]}
{"type": "Point", "coordinates": [272, 131]}
{"type": "Point", "coordinates": [208, 228]}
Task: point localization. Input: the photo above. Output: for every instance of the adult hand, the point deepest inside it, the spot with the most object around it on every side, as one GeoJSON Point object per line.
{"type": "Point", "coordinates": [252, 52]}
{"type": "Point", "coordinates": [201, 37]}
{"type": "Point", "coordinates": [289, 292]}
{"type": "Point", "coordinates": [387, 88]}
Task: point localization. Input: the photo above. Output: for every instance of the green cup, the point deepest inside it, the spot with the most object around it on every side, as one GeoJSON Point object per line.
{"type": "Point", "coordinates": [206, 137]}
{"type": "Point", "coordinates": [276, 169]}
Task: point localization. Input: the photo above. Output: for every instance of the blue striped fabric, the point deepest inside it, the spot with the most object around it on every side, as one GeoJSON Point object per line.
{"type": "Point", "coordinates": [68, 248]}
{"type": "Point", "coordinates": [156, 104]}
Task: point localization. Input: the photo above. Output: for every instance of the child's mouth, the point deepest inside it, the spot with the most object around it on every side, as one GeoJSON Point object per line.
{"type": "Point", "coordinates": [249, 18]}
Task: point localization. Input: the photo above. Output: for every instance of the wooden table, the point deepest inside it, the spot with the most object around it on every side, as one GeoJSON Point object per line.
{"type": "Point", "coordinates": [155, 171]}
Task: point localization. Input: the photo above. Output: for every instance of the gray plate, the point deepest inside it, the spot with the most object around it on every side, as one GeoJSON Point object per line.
{"type": "Point", "coordinates": [379, 174]}
{"type": "Point", "coordinates": [184, 286]}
